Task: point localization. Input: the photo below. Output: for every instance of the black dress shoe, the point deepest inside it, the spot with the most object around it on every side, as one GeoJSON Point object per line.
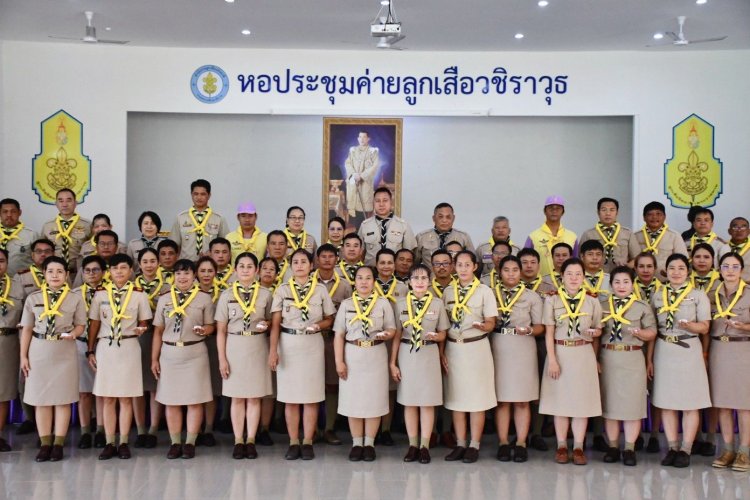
{"type": "Point", "coordinates": [669, 458]}
{"type": "Point", "coordinates": [538, 443]}
{"type": "Point", "coordinates": [151, 441]}
{"type": "Point", "coordinates": [386, 439]}
{"type": "Point", "coordinates": [307, 452]}
{"type": "Point", "coordinates": [44, 453]}
{"type": "Point", "coordinates": [628, 458]}
{"type": "Point", "coordinates": [100, 441]}
{"type": "Point", "coordinates": [26, 427]}
{"type": "Point", "coordinates": [612, 455]}
{"type": "Point", "coordinates": [250, 451]}
{"type": "Point", "coordinates": [56, 454]}
{"type": "Point", "coordinates": [238, 452]}
{"type": "Point", "coordinates": [293, 453]}
{"type": "Point", "coordinates": [188, 451]}
{"type": "Point", "coordinates": [681, 460]}
{"type": "Point", "coordinates": [456, 454]}
{"type": "Point", "coordinates": [368, 453]}
{"type": "Point", "coordinates": [520, 454]}
{"type": "Point", "coordinates": [639, 443]}
{"type": "Point", "coordinates": [208, 440]}
{"type": "Point", "coordinates": [140, 441]}
{"type": "Point", "coordinates": [108, 452]}
{"type": "Point", "coordinates": [707, 449]}
{"type": "Point", "coordinates": [331, 438]}
{"type": "Point", "coordinates": [411, 454]}
{"type": "Point", "coordinates": [4, 446]}
{"type": "Point", "coordinates": [424, 456]}
{"type": "Point", "coordinates": [471, 455]}
{"type": "Point", "coordinates": [653, 445]}
{"type": "Point", "coordinates": [123, 452]}
{"type": "Point", "coordinates": [355, 454]}
{"type": "Point", "coordinates": [263, 438]}
{"type": "Point", "coordinates": [600, 444]}
{"type": "Point", "coordinates": [175, 451]}
{"type": "Point", "coordinates": [85, 442]}
{"type": "Point", "coordinates": [503, 453]}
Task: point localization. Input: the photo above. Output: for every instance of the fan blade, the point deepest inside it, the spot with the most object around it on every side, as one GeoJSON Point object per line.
{"type": "Point", "coordinates": [672, 35]}
{"type": "Point", "coordinates": [704, 40]}
{"type": "Point", "coordinates": [117, 42]}
{"type": "Point", "coordinates": [395, 39]}
{"type": "Point", "coordinates": [64, 37]}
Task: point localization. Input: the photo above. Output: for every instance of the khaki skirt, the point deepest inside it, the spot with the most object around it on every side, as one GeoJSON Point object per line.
{"type": "Point", "coordinates": [729, 362]}
{"type": "Point", "coordinates": [421, 377]}
{"type": "Point", "coordinates": [213, 364]}
{"type": "Point", "coordinates": [470, 383]}
{"type": "Point", "coordinates": [115, 366]}
{"type": "Point", "coordinates": [300, 374]}
{"type": "Point", "coordinates": [9, 366]}
{"type": "Point", "coordinates": [53, 379]}
{"type": "Point", "coordinates": [249, 374]}
{"type": "Point", "coordinates": [146, 341]}
{"type": "Point", "coordinates": [364, 393]}
{"type": "Point", "coordinates": [185, 378]}
{"type": "Point", "coordinates": [576, 392]}
{"type": "Point", "coordinates": [680, 379]}
{"type": "Point", "coordinates": [623, 385]}
{"type": "Point", "coordinates": [332, 378]}
{"type": "Point", "coordinates": [85, 373]}
{"type": "Point", "coordinates": [516, 368]}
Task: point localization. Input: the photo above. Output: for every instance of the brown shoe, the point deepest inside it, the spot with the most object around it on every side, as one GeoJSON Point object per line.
{"type": "Point", "coordinates": [44, 452]}
{"type": "Point", "coordinates": [448, 440]}
{"type": "Point", "coordinates": [412, 454]}
{"type": "Point", "coordinates": [368, 453]}
{"type": "Point", "coordinates": [188, 451]}
{"type": "Point", "coordinates": [175, 451]}
{"type": "Point", "coordinates": [238, 452]}
{"type": "Point", "coordinates": [331, 438]}
{"type": "Point", "coordinates": [424, 456]}
{"type": "Point", "coordinates": [471, 455]}
{"type": "Point", "coordinates": [725, 460]}
{"type": "Point", "coordinates": [355, 454]}
{"type": "Point", "coordinates": [561, 456]}
{"type": "Point", "coordinates": [307, 452]}
{"type": "Point", "coordinates": [56, 454]}
{"type": "Point", "coordinates": [108, 452]}
{"type": "Point", "coordinates": [741, 463]}
{"type": "Point", "coordinates": [293, 452]}
{"type": "Point", "coordinates": [456, 455]}
{"type": "Point", "coordinates": [250, 451]}
{"type": "Point", "coordinates": [578, 457]}
{"type": "Point", "coordinates": [123, 451]}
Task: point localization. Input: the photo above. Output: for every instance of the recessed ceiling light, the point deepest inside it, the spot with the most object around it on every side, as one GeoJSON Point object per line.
{"type": "Point", "coordinates": [701, 2]}
{"type": "Point", "coordinates": [543, 3]}
{"type": "Point", "coordinates": [229, 1]}
{"type": "Point", "coordinates": [108, 28]}
{"type": "Point", "coordinates": [385, 2]}
{"type": "Point", "coordinates": [246, 32]}
{"type": "Point", "coordinates": [658, 36]}
{"type": "Point", "coordinates": [518, 36]}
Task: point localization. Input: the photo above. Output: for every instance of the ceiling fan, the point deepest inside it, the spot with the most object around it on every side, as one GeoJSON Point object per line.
{"type": "Point", "coordinates": [90, 36]}
{"type": "Point", "coordinates": [680, 39]}
{"type": "Point", "coordinates": [388, 42]}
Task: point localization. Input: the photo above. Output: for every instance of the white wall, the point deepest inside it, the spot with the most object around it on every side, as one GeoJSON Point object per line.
{"type": "Point", "coordinates": [100, 84]}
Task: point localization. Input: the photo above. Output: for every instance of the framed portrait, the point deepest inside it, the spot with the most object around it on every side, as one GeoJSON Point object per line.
{"type": "Point", "coordinates": [359, 156]}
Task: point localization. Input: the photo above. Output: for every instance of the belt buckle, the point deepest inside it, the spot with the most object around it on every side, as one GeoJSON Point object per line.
{"type": "Point", "coordinates": [569, 343]}
{"type": "Point", "coordinates": [246, 333]}
{"type": "Point", "coordinates": [179, 343]}
{"type": "Point", "coordinates": [365, 343]}
{"type": "Point", "coordinates": [619, 347]}
{"type": "Point", "coordinates": [672, 339]}
{"type": "Point", "coordinates": [50, 336]}
{"type": "Point", "coordinates": [724, 338]}
{"type": "Point", "coordinates": [459, 341]}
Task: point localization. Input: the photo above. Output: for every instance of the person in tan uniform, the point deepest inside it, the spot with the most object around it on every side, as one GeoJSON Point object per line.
{"type": "Point", "coordinates": [11, 307]}
{"type": "Point", "coordinates": [442, 272]}
{"type": "Point", "coordinates": [440, 234]}
{"type": "Point", "coordinates": [149, 224]}
{"type": "Point", "coordinates": [277, 248]}
{"type": "Point", "coordinates": [350, 257]}
{"type": "Point", "coordinates": [530, 277]}
{"type": "Point", "coordinates": [119, 314]}
{"type": "Point", "coordinates": [336, 228]}
{"type": "Point", "coordinates": [296, 236]}
{"type": "Point", "coordinates": [168, 255]}
{"type": "Point", "coordinates": [268, 271]}
{"type": "Point", "coordinates": [703, 225]}
{"type": "Point", "coordinates": [655, 237]}
{"type": "Point", "coordinates": [68, 230]}
{"type": "Point", "coordinates": [560, 253]}
{"type": "Point", "coordinates": [248, 237]}
{"type": "Point", "coordinates": [499, 250]}
{"type": "Point", "coordinates": [596, 283]}
{"type": "Point", "coordinates": [107, 243]}
{"type": "Point", "coordinates": [193, 229]}
{"type": "Point", "coordinates": [404, 263]}
{"type": "Point", "coordinates": [15, 237]}
{"type": "Point", "coordinates": [384, 229]}
{"type": "Point", "coordinates": [32, 279]}
{"type": "Point", "coordinates": [220, 250]}
{"type": "Point", "coordinates": [99, 223]}
{"type": "Point", "coordinates": [610, 233]}
{"type": "Point", "coordinates": [361, 167]}
{"type": "Point", "coordinates": [739, 243]}
{"type": "Point", "coordinates": [500, 233]}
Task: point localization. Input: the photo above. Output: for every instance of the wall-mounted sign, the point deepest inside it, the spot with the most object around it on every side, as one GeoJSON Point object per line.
{"type": "Point", "coordinates": [209, 84]}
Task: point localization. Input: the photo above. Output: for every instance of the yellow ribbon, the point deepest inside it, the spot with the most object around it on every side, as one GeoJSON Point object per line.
{"type": "Point", "coordinates": [343, 265]}
{"type": "Point", "coordinates": [247, 308]}
{"type": "Point", "coordinates": [391, 289]}
{"type": "Point", "coordinates": [458, 304]}
{"type": "Point", "coordinates": [493, 278]}
{"type": "Point", "coordinates": [38, 275]}
{"type": "Point", "coordinates": [118, 313]}
{"type": "Point", "coordinates": [223, 282]}
{"type": "Point", "coordinates": [180, 309]}
{"type": "Point", "coordinates": [199, 228]}
{"type": "Point", "coordinates": [555, 276]}
{"type": "Point", "coordinates": [336, 281]}
{"type": "Point", "coordinates": [594, 289]}
{"type": "Point", "coordinates": [54, 309]}
{"type": "Point", "coordinates": [569, 313]}
{"type": "Point", "coordinates": [169, 279]}
{"type": "Point", "coordinates": [653, 246]}
{"type": "Point", "coordinates": [618, 314]}
{"type": "Point", "coordinates": [640, 288]}
{"type": "Point", "coordinates": [290, 238]}
{"type": "Point", "coordinates": [85, 296]}
{"type": "Point", "coordinates": [714, 275]}
{"type": "Point", "coordinates": [533, 285]}
{"type": "Point", "coordinates": [247, 246]}
{"type": "Point", "coordinates": [503, 307]}
{"type": "Point", "coordinates": [439, 288]}
{"type": "Point", "coordinates": [672, 308]}
{"type": "Point", "coordinates": [5, 238]}
{"type": "Point", "coordinates": [745, 247]}
{"type": "Point", "coordinates": [416, 321]}
{"type": "Point", "coordinates": [143, 284]}
{"type": "Point", "coordinates": [695, 239]}
{"type": "Point", "coordinates": [65, 233]}
{"type": "Point", "coordinates": [282, 272]}
{"type": "Point", "coordinates": [609, 243]}
{"type": "Point", "coordinates": [492, 243]}
{"type": "Point", "coordinates": [302, 304]}
{"type": "Point", "coordinates": [6, 292]}
{"type": "Point", "coordinates": [727, 313]}
{"type": "Point", "coordinates": [93, 242]}
{"type": "Point", "coordinates": [361, 315]}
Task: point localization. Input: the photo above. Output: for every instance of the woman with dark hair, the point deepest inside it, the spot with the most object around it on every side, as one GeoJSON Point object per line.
{"type": "Point", "coordinates": [296, 236]}
{"type": "Point", "coordinates": [149, 224]}
{"type": "Point", "coordinates": [336, 229]}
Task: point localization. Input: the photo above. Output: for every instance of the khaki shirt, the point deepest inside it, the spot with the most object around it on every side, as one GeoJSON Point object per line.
{"type": "Point", "coordinates": [13, 312]}
{"type": "Point", "coordinates": [695, 307]}
{"type": "Point", "coordinates": [186, 240]}
{"type": "Point", "coordinates": [484, 256]}
{"type": "Point", "coordinates": [229, 311]}
{"type": "Point", "coordinates": [320, 306]}
{"type": "Point", "coordinates": [73, 313]}
{"type": "Point", "coordinates": [381, 317]}
{"type": "Point", "coordinates": [544, 289]}
{"type": "Point", "coordinates": [605, 289]}
{"type": "Point", "coordinates": [362, 160]}
{"type": "Point", "coordinates": [400, 291]}
{"type": "Point", "coordinates": [620, 253]}
{"type": "Point", "coordinates": [720, 326]}
{"type": "Point", "coordinates": [88, 248]}
{"type": "Point", "coordinates": [639, 314]}
{"type": "Point", "coordinates": [481, 304]}
{"type": "Point", "coordinates": [80, 233]}
{"type": "Point", "coordinates": [343, 290]}
{"type": "Point", "coordinates": [745, 258]}
{"type": "Point", "coordinates": [198, 313]}
{"type": "Point", "coordinates": [428, 241]}
{"type": "Point", "coordinates": [138, 309]}
{"type": "Point", "coordinates": [25, 279]}
{"type": "Point", "coordinates": [310, 245]}
{"type": "Point", "coordinates": [554, 309]}
{"type": "Point", "coordinates": [255, 245]}
{"type": "Point", "coordinates": [671, 243]}
{"type": "Point", "coordinates": [434, 320]}
{"type": "Point", "coordinates": [19, 250]}
{"type": "Point", "coordinates": [134, 246]}
{"type": "Point", "coordinates": [399, 235]}
{"type": "Point", "coordinates": [526, 311]}
{"type": "Point", "coordinates": [716, 244]}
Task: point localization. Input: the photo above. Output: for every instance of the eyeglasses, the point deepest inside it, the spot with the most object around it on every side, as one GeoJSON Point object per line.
{"type": "Point", "coordinates": [732, 267]}
{"type": "Point", "coordinates": [738, 228]}
{"type": "Point", "coordinates": [298, 218]}
{"type": "Point", "coordinates": [441, 264]}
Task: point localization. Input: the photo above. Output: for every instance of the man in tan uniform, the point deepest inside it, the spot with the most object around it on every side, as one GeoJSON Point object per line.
{"type": "Point", "coordinates": [361, 168]}
{"type": "Point", "coordinates": [196, 227]}
{"type": "Point", "coordinates": [500, 233]}
{"type": "Point", "coordinates": [610, 233]}
{"type": "Point", "coordinates": [384, 229]}
{"type": "Point", "coordinates": [15, 237]}
{"type": "Point", "coordinates": [739, 230]}
{"type": "Point", "coordinates": [68, 230]}
{"type": "Point", "coordinates": [703, 224]}
{"type": "Point", "coordinates": [248, 237]}
{"type": "Point", "coordinates": [441, 233]}
{"type": "Point", "coordinates": [655, 237]}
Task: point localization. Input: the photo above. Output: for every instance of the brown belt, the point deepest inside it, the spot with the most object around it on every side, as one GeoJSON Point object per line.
{"type": "Point", "coordinates": [8, 331]}
{"type": "Point", "coordinates": [676, 339]}
{"type": "Point", "coordinates": [365, 343]}
{"type": "Point", "coordinates": [424, 342]}
{"type": "Point", "coordinates": [621, 347]}
{"type": "Point", "coordinates": [727, 338]}
{"type": "Point", "coordinates": [183, 344]}
{"type": "Point", "coordinates": [44, 336]}
{"type": "Point", "coordinates": [292, 331]}
{"type": "Point", "coordinates": [571, 343]}
{"type": "Point", "coordinates": [466, 341]}
{"type": "Point", "coordinates": [246, 333]}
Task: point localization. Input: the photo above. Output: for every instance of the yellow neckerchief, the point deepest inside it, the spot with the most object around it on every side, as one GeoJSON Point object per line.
{"type": "Point", "coordinates": [569, 313]}
{"type": "Point", "coordinates": [152, 291]}
{"type": "Point", "coordinates": [93, 243]}
{"type": "Point", "coordinates": [745, 247]}
{"type": "Point", "coordinates": [492, 243]}
{"type": "Point", "coordinates": [554, 276]}
{"type": "Point", "coordinates": [65, 233]}
{"type": "Point", "coordinates": [532, 285]}
{"type": "Point", "coordinates": [458, 305]}
{"type": "Point", "coordinates": [6, 292]}
{"type": "Point", "coordinates": [391, 289]}
{"type": "Point", "coordinates": [215, 292]}
{"type": "Point", "coordinates": [160, 275]}
{"type": "Point", "coordinates": [665, 294]}
{"type": "Point", "coordinates": [290, 238]}
{"type": "Point", "coordinates": [591, 288]}
{"type": "Point", "coordinates": [247, 308]}
{"type": "Point", "coordinates": [503, 307]}
{"type": "Point", "coordinates": [713, 275]}
{"type": "Point", "coordinates": [493, 278]}
{"type": "Point", "coordinates": [118, 313]}
{"type": "Point", "coordinates": [608, 242]}
{"type": "Point", "coordinates": [199, 228]}
{"type": "Point", "coordinates": [416, 321]}
{"type": "Point", "coordinates": [727, 313]}
{"type": "Point", "coordinates": [343, 265]}
{"type": "Point", "coordinates": [694, 239]}
{"type": "Point", "coordinates": [553, 240]}
{"type": "Point", "coordinates": [180, 309]}
{"type": "Point", "coordinates": [440, 289]}
{"type": "Point", "coordinates": [302, 304]}
{"type": "Point", "coordinates": [336, 281]}
{"type": "Point", "coordinates": [38, 275]}
{"type": "Point", "coordinates": [54, 309]}
{"type": "Point", "coordinates": [361, 315]}
{"type": "Point", "coordinates": [5, 238]}
{"type": "Point", "coordinates": [653, 246]}
{"type": "Point", "coordinates": [619, 314]}
{"type": "Point", "coordinates": [247, 245]}
{"type": "Point", "coordinates": [338, 246]}
{"type": "Point", "coordinates": [223, 282]}
{"type": "Point", "coordinates": [640, 287]}
{"type": "Point", "coordinates": [85, 295]}
{"type": "Point", "coordinates": [280, 277]}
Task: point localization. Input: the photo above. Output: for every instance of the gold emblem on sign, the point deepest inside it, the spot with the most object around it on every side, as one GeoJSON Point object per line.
{"type": "Point", "coordinates": [209, 84]}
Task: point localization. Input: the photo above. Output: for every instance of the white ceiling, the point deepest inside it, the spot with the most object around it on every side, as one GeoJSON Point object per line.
{"type": "Point", "coordinates": [463, 25]}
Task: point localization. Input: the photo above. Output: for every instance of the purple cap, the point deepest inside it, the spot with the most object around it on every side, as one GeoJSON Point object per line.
{"type": "Point", "coordinates": [247, 207]}
{"type": "Point", "coordinates": [555, 199]}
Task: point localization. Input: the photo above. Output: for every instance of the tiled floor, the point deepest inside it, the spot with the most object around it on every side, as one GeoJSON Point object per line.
{"type": "Point", "coordinates": [214, 474]}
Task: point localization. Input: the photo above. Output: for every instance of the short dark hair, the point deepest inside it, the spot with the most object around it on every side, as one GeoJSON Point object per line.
{"type": "Point", "coordinates": [120, 258]}
{"type": "Point", "coordinates": [246, 255]}
{"type": "Point", "coordinates": [295, 207]}
{"type": "Point", "coordinates": [590, 245]}
{"type": "Point", "coordinates": [561, 245]}
{"type": "Point", "coordinates": [385, 251]}
{"type": "Point", "coordinates": [101, 216]}
{"type": "Point", "coordinates": [337, 219]}
{"type": "Point", "coordinates": [94, 259]}
{"type": "Point", "coordinates": [502, 244]}
{"type": "Point", "coordinates": [437, 252]}
{"type": "Point", "coordinates": [510, 258]}
{"type": "Point", "coordinates": [271, 260]}
{"type": "Point", "coordinates": [471, 255]}
{"type": "Point", "coordinates": [326, 247]}
{"type": "Point", "coordinates": [702, 210]}
{"type": "Point", "coordinates": [735, 255]}
{"type": "Point", "coordinates": [200, 183]}
{"type": "Point", "coordinates": [369, 268]}
{"type": "Point", "coordinates": [54, 259]}
{"type": "Point", "coordinates": [42, 241]}
{"type": "Point", "coordinates": [106, 232]}
{"type": "Point", "coordinates": [607, 200]}
{"type": "Point", "coordinates": [406, 250]}
{"type": "Point", "coordinates": [383, 189]}
{"type": "Point", "coordinates": [167, 243]}
{"type": "Point", "coordinates": [206, 258]}
{"type": "Point", "coordinates": [184, 265]}
{"type": "Point", "coordinates": [573, 261]}
{"type": "Point", "coordinates": [654, 205]}
{"type": "Point", "coordinates": [529, 251]}
{"type": "Point", "coordinates": [443, 205]}
{"type": "Point", "coordinates": [419, 267]}
{"type": "Point", "coordinates": [276, 232]}
{"type": "Point", "coordinates": [219, 241]}
{"type": "Point", "coordinates": [65, 190]}
{"type": "Point", "coordinates": [678, 256]}
{"type": "Point", "coordinates": [703, 246]}
{"type": "Point", "coordinates": [154, 218]}
{"type": "Point", "coordinates": [5, 252]}
{"type": "Point", "coordinates": [352, 236]}
{"type": "Point", "coordinates": [143, 251]}
{"type": "Point", "coordinates": [621, 270]}
{"type": "Point", "coordinates": [10, 201]}
{"type": "Point", "coordinates": [693, 211]}
{"type": "Point", "coordinates": [303, 252]}
{"type": "Point", "coordinates": [645, 255]}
